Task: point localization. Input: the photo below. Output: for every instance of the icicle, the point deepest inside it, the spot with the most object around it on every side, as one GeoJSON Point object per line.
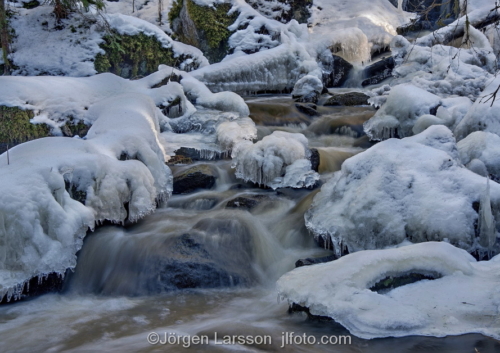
{"type": "Point", "coordinates": [487, 226]}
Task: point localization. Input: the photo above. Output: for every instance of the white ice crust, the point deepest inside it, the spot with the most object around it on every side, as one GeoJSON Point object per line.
{"type": "Point", "coordinates": [465, 299]}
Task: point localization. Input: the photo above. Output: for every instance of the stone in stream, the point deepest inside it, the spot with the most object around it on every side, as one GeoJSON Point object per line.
{"type": "Point", "coordinates": [247, 202]}
{"type": "Point", "coordinates": [348, 99]}
{"type": "Point", "coordinates": [378, 71]}
{"type": "Point", "coordinates": [316, 260]}
{"type": "Point", "coordinates": [315, 159]}
{"type": "Point", "coordinates": [307, 89]}
{"type": "Point", "coordinates": [336, 71]}
{"type": "Point", "coordinates": [307, 108]}
{"type": "Point", "coordinates": [201, 176]}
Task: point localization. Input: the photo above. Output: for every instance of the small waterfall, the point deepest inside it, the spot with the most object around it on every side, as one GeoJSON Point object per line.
{"type": "Point", "coordinates": [356, 77]}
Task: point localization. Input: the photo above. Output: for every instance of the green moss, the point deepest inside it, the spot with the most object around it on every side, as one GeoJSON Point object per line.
{"type": "Point", "coordinates": [175, 11]}
{"type": "Point", "coordinates": [31, 4]}
{"type": "Point", "coordinates": [75, 128]}
{"type": "Point", "coordinates": [130, 56]}
{"type": "Point", "coordinates": [15, 126]}
{"type": "Point", "coordinates": [213, 22]}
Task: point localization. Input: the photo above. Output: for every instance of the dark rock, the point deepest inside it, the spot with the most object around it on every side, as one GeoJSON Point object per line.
{"type": "Point", "coordinates": [197, 177]}
{"type": "Point", "coordinates": [247, 202]}
{"type": "Point", "coordinates": [313, 261]}
{"type": "Point", "coordinates": [391, 282]}
{"type": "Point", "coordinates": [194, 155]}
{"type": "Point", "coordinates": [335, 71]}
{"type": "Point", "coordinates": [378, 71]}
{"type": "Point", "coordinates": [296, 308]}
{"type": "Point", "coordinates": [348, 99]}
{"type": "Point", "coordinates": [311, 97]}
{"type": "Point", "coordinates": [314, 159]}
{"type": "Point", "coordinates": [36, 286]}
{"type": "Point", "coordinates": [308, 109]}
{"type": "Point", "coordinates": [431, 14]}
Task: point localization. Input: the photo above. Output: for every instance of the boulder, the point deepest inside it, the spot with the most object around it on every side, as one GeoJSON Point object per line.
{"type": "Point", "coordinates": [307, 89]}
{"type": "Point", "coordinates": [200, 176]}
{"type": "Point", "coordinates": [348, 99]}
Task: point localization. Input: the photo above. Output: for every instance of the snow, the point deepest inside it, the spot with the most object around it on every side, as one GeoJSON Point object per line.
{"type": "Point", "coordinates": [307, 85]}
{"type": "Point", "coordinates": [412, 189]}
{"type": "Point", "coordinates": [482, 146]}
{"type": "Point", "coordinates": [42, 48]}
{"type": "Point", "coordinates": [278, 160]}
{"type": "Point", "coordinates": [404, 105]}
{"type": "Point", "coordinates": [42, 227]}
{"type": "Point", "coordinates": [359, 28]}
{"type": "Point", "coordinates": [463, 300]}
{"type": "Point", "coordinates": [484, 113]}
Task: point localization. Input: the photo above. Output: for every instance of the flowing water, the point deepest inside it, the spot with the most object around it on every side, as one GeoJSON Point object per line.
{"type": "Point", "coordinates": [123, 286]}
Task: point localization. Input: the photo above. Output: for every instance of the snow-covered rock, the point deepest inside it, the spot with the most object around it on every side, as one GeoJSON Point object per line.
{"type": "Point", "coordinates": [44, 47]}
{"type": "Point", "coordinates": [484, 115]}
{"type": "Point", "coordinates": [463, 299]}
{"type": "Point", "coordinates": [405, 104]}
{"type": "Point", "coordinates": [278, 160]}
{"type": "Point", "coordinates": [481, 146]}
{"type": "Point", "coordinates": [412, 189]}
{"type": "Point", "coordinates": [307, 89]}
{"type": "Point", "coordinates": [120, 163]}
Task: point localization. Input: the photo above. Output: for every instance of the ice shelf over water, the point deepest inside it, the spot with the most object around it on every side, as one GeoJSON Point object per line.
{"type": "Point", "coordinates": [463, 298]}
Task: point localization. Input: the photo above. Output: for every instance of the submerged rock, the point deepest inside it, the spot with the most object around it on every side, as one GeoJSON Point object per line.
{"type": "Point", "coordinates": [201, 176]}
{"type": "Point", "coordinates": [245, 202]}
{"type": "Point", "coordinates": [307, 108]}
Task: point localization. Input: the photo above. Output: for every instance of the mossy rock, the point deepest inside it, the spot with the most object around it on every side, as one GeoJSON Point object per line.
{"type": "Point", "coordinates": [203, 27]}
{"type": "Point", "coordinates": [201, 176]}
{"type": "Point", "coordinates": [136, 56]}
{"type": "Point", "coordinates": [348, 99]}
{"type": "Point", "coordinates": [75, 128]}
{"type": "Point", "coordinates": [16, 128]}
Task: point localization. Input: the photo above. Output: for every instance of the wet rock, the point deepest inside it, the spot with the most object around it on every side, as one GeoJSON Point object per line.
{"type": "Point", "coordinates": [315, 159]}
{"type": "Point", "coordinates": [348, 99]}
{"type": "Point", "coordinates": [197, 177]}
{"type": "Point", "coordinates": [307, 108]}
{"type": "Point", "coordinates": [391, 282]}
{"type": "Point", "coordinates": [313, 261]}
{"type": "Point", "coordinates": [247, 202]}
{"type": "Point", "coordinates": [296, 308]}
{"type": "Point", "coordinates": [378, 71]}
{"type": "Point", "coordinates": [193, 155]}
{"type": "Point", "coordinates": [336, 71]}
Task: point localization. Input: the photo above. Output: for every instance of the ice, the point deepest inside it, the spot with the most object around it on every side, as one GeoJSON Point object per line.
{"type": "Point", "coordinates": [307, 85]}
{"type": "Point", "coordinates": [412, 189]}
{"type": "Point", "coordinates": [404, 105]}
{"type": "Point", "coordinates": [462, 299]}
{"type": "Point", "coordinates": [482, 146]}
{"type": "Point", "coordinates": [53, 189]}
{"type": "Point", "coordinates": [278, 160]}
{"type": "Point", "coordinates": [484, 113]}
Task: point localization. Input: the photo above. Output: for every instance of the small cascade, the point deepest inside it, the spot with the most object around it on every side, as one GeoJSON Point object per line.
{"type": "Point", "coordinates": [356, 77]}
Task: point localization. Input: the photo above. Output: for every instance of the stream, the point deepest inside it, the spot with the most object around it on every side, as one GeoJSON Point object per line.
{"type": "Point", "coordinates": [122, 290]}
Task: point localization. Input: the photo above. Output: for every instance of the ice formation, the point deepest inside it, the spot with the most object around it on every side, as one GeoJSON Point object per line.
{"type": "Point", "coordinates": [278, 160]}
{"type": "Point", "coordinates": [412, 189]}
{"type": "Point", "coordinates": [54, 189]}
{"type": "Point", "coordinates": [462, 299]}
{"type": "Point", "coordinates": [482, 146]}
{"type": "Point", "coordinates": [484, 113]}
{"type": "Point", "coordinates": [404, 105]}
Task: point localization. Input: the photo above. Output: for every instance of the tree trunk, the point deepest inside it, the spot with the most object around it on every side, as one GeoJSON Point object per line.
{"type": "Point", "coordinates": [4, 37]}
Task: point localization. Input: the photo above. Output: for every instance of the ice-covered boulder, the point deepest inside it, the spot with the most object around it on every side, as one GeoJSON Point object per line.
{"type": "Point", "coordinates": [278, 160]}
{"type": "Point", "coordinates": [412, 189]}
{"type": "Point", "coordinates": [463, 297]}
{"type": "Point", "coordinates": [481, 146]}
{"type": "Point", "coordinates": [307, 89]}
{"type": "Point", "coordinates": [396, 118]}
{"type": "Point", "coordinates": [117, 173]}
{"type": "Point", "coordinates": [484, 115]}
